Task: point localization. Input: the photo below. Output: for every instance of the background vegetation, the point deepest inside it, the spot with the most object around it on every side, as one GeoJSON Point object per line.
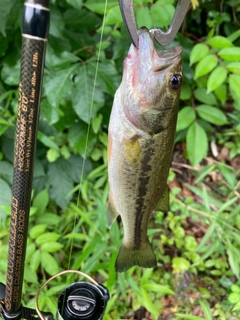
{"type": "Point", "coordinates": [197, 243]}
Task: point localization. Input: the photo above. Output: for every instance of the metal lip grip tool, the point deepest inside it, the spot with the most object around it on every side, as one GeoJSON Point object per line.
{"type": "Point", "coordinates": [163, 38]}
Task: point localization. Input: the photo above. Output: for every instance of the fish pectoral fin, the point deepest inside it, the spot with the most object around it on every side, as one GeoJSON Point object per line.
{"type": "Point", "coordinates": [163, 204]}
{"type": "Point", "coordinates": [132, 152]}
{"type": "Point", "coordinates": [112, 213]}
{"type": "Point", "coordinates": [129, 257]}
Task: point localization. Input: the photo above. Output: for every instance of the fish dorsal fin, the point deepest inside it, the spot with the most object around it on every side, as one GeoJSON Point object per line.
{"type": "Point", "coordinates": [163, 204]}
{"type": "Point", "coordinates": [112, 213]}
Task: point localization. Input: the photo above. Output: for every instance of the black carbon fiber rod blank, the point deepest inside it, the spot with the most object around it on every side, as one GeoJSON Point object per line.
{"type": "Point", "coordinates": [34, 31]}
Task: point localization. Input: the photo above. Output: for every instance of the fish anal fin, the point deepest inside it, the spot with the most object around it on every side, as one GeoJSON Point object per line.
{"type": "Point", "coordinates": [163, 204]}
{"type": "Point", "coordinates": [129, 257]}
{"type": "Point", "coordinates": [112, 213]}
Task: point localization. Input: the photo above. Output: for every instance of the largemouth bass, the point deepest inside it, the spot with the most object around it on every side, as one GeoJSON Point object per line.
{"type": "Point", "coordinates": [140, 142]}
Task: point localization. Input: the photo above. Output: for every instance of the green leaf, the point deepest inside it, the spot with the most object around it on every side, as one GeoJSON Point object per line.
{"type": "Point", "coordinates": [236, 307]}
{"type": "Point", "coordinates": [62, 60]}
{"type": "Point", "coordinates": [96, 154]}
{"type": "Point", "coordinates": [113, 16]}
{"type": "Point", "coordinates": [205, 66]}
{"type": "Point", "coordinates": [185, 92]}
{"type": "Point", "coordinates": [158, 288]}
{"type": "Point", "coordinates": [197, 143]}
{"type": "Point", "coordinates": [87, 97]}
{"type": "Point", "coordinates": [162, 14]}
{"type": "Point", "coordinates": [211, 114]}
{"type": "Point", "coordinates": [37, 230]}
{"type": "Point", "coordinates": [78, 236]}
{"type": "Point", "coordinates": [206, 309]}
{"type": "Point", "coordinates": [221, 93]}
{"type": "Point", "coordinates": [96, 123]}
{"type": "Point", "coordinates": [48, 142]}
{"type": "Point", "coordinates": [185, 117]}
{"type": "Point", "coordinates": [50, 112]}
{"type": "Point", "coordinates": [55, 289]}
{"type": "Point", "coordinates": [98, 6]}
{"type": "Point", "coordinates": [77, 139]}
{"type": "Point", "coordinates": [78, 167]}
{"type": "Point", "coordinates": [234, 84]}
{"type": "Point", "coordinates": [5, 6]}
{"type": "Point", "coordinates": [211, 199]}
{"type": "Point", "coordinates": [86, 251]}
{"type": "Point", "coordinates": [233, 260]}
{"type": "Point", "coordinates": [206, 237]}
{"type": "Point", "coordinates": [77, 4]}
{"type": "Point", "coordinates": [60, 181]}
{"type": "Point", "coordinates": [234, 297]}
{"type": "Point", "coordinates": [234, 36]}
{"type": "Point", "coordinates": [143, 17]}
{"type": "Point", "coordinates": [188, 317]}
{"type": "Point", "coordinates": [190, 243]}
{"type": "Point", "coordinates": [47, 237]}
{"type": "Point", "coordinates": [207, 98]}
{"type": "Point", "coordinates": [41, 201]}
{"type": "Point", "coordinates": [146, 276]}
{"type": "Point", "coordinates": [199, 51]}
{"type": "Point", "coordinates": [58, 84]}
{"type": "Point", "coordinates": [234, 67]}
{"type": "Point", "coordinates": [6, 172]}
{"type": "Point", "coordinates": [235, 288]}
{"type": "Point", "coordinates": [148, 303]}
{"type": "Point", "coordinates": [35, 260]}
{"type": "Point", "coordinates": [65, 152]}
{"type": "Point", "coordinates": [216, 78]}
{"type": "Point", "coordinates": [3, 128]}
{"type": "Point", "coordinates": [53, 155]}
{"type": "Point", "coordinates": [51, 302]}
{"type": "Point", "coordinates": [31, 248]}
{"type": "Point", "coordinates": [51, 246]}
{"type": "Point", "coordinates": [5, 197]}
{"type": "Point", "coordinates": [219, 42]}
{"type": "Point", "coordinates": [49, 264]}
{"type": "Point", "coordinates": [11, 74]}
{"type": "Point", "coordinates": [83, 20]}
{"type": "Point", "coordinates": [49, 219]}
{"type": "Point", "coordinates": [30, 276]}
{"type": "Point", "coordinates": [230, 54]}
{"type": "Point", "coordinates": [85, 217]}
{"type": "Point", "coordinates": [180, 265]}
{"type": "Point", "coordinates": [108, 78]}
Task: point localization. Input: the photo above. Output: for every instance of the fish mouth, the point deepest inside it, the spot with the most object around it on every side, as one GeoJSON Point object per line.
{"type": "Point", "coordinates": [159, 60]}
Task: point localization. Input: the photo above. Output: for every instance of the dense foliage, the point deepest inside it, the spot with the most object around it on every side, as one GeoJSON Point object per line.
{"type": "Point", "coordinates": [198, 242]}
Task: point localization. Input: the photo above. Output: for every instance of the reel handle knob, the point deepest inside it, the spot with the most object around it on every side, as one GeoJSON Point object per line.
{"type": "Point", "coordinates": [82, 300]}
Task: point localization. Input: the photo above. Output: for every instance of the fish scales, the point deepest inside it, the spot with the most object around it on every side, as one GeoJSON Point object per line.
{"type": "Point", "coordinates": [140, 143]}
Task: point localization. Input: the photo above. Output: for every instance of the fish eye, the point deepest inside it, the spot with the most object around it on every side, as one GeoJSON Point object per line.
{"type": "Point", "coordinates": [176, 81]}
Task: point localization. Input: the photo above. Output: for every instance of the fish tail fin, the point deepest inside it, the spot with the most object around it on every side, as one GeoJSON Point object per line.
{"type": "Point", "coordinates": [129, 257]}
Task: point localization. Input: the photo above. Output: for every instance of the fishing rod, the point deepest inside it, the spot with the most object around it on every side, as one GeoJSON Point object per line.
{"type": "Point", "coordinates": [80, 300]}
{"type": "Point", "coordinates": [35, 26]}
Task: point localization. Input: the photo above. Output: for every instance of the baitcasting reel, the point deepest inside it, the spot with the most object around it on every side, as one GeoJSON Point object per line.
{"type": "Point", "coordinates": [79, 301]}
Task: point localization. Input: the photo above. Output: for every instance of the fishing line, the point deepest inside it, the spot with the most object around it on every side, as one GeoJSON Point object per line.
{"type": "Point", "coordinates": [83, 165]}
{"type": "Point", "coordinates": [89, 124]}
